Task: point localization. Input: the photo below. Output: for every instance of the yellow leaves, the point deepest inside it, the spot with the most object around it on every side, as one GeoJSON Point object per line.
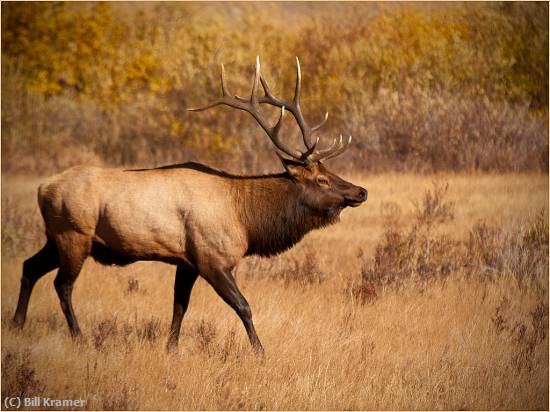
{"type": "Point", "coordinates": [436, 48]}
{"type": "Point", "coordinates": [218, 144]}
{"type": "Point", "coordinates": [175, 127]}
{"type": "Point", "coordinates": [81, 47]}
{"type": "Point", "coordinates": [171, 55]}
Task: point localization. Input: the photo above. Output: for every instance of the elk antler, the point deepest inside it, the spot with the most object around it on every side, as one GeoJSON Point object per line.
{"type": "Point", "coordinates": [252, 106]}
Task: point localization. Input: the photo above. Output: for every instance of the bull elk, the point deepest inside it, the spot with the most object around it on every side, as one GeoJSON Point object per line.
{"type": "Point", "coordinates": [200, 219]}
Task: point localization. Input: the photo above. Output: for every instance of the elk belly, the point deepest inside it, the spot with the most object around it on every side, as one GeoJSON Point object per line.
{"type": "Point", "coordinates": [141, 233]}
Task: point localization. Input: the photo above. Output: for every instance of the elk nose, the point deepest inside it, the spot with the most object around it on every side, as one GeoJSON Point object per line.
{"type": "Point", "coordinates": [363, 194]}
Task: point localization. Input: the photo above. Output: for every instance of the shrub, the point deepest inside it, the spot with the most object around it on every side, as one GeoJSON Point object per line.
{"type": "Point", "coordinates": [439, 130]}
{"type": "Point", "coordinates": [424, 255]}
{"type": "Point", "coordinates": [19, 376]}
{"type": "Point", "coordinates": [106, 329]}
{"type": "Point", "coordinates": [419, 252]}
{"type": "Point", "coordinates": [456, 87]}
{"type": "Point", "coordinates": [149, 331]}
{"type": "Point", "coordinates": [299, 266]}
{"type": "Point", "coordinates": [206, 334]}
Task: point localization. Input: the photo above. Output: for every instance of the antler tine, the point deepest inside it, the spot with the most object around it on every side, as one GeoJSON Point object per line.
{"type": "Point", "coordinates": [321, 153]}
{"type": "Point", "coordinates": [297, 110]}
{"type": "Point", "coordinates": [277, 126]}
{"type": "Point", "coordinates": [225, 99]}
{"type": "Point", "coordinates": [268, 97]}
{"type": "Point", "coordinates": [222, 78]}
{"type": "Point", "coordinates": [332, 151]}
{"type": "Point", "coordinates": [254, 94]}
{"type": "Point", "coordinates": [273, 134]}
{"type": "Point", "coordinates": [293, 107]}
{"type": "Point", "coordinates": [200, 109]}
{"type": "Point", "coordinates": [317, 127]}
{"type": "Point", "coordinates": [298, 89]}
{"type": "Point", "coordinates": [309, 151]}
{"type": "Point", "coordinates": [338, 152]}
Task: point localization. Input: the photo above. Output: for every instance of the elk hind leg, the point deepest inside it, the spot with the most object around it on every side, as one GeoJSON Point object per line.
{"type": "Point", "coordinates": [44, 261]}
{"type": "Point", "coordinates": [73, 251]}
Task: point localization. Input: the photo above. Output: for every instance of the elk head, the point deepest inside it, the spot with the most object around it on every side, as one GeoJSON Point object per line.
{"type": "Point", "coordinates": [320, 189]}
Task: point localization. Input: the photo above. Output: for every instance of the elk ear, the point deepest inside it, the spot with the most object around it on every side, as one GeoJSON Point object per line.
{"type": "Point", "coordinates": [294, 169]}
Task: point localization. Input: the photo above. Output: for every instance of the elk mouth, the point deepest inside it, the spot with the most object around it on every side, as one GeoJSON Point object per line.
{"type": "Point", "coordinates": [354, 202]}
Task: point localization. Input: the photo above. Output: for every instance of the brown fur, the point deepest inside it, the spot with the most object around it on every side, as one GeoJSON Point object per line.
{"type": "Point", "coordinates": [274, 218]}
{"type": "Point", "coordinates": [201, 219]}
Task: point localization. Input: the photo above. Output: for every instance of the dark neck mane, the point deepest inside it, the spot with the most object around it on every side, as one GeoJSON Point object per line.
{"type": "Point", "coordinates": [271, 211]}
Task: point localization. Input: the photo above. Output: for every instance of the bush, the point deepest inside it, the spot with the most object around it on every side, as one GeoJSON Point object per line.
{"type": "Point", "coordinates": [299, 266]}
{"type": "Point", "coordinates": [424, 255]}
{"type": "Point", "coordinates": [437, 131]}
{"type": "Point", "coordinates": [455, 87]}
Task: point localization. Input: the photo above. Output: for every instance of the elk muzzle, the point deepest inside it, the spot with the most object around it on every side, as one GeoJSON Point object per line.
{"type": "Point", "coordinates": [356, 196]}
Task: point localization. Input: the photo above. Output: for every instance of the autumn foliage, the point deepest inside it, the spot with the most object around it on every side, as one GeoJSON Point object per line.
{"type": "Point", "coordinates": [452, 87]}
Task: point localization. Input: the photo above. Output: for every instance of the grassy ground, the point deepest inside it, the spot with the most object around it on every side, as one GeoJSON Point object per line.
{"type": "Point", "coordinates": [470, 340]}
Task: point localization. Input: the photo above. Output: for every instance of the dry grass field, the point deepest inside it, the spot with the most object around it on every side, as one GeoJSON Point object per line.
{"type": "Point", "coordinates": [460, 324]}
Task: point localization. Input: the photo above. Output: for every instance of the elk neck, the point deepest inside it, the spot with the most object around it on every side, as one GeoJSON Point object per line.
{"type": "Point", "coordinates": [271, 210]}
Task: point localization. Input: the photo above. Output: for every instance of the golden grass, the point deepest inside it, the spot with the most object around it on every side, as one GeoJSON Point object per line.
{"type": "Point", "coordinates": [435, 347]}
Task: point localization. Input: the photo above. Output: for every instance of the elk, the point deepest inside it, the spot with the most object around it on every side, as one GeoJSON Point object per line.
{"type": "Point", "coordinates": [198, 218]}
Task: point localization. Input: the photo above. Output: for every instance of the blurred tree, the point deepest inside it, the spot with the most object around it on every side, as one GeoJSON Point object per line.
{"type": "Point", "coordinates": [135, 68]}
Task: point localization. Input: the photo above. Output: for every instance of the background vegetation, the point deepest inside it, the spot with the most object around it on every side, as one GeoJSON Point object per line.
{"type": "Point", "coordinates": [437, 87]}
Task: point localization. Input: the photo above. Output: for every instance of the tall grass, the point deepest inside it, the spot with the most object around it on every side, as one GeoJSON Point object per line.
{"type": "Point", "coordinates": [455, 315]}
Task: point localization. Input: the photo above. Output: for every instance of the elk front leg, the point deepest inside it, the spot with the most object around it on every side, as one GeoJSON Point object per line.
{"type": "Point", "coordinates": [224, 284]}
{"type": "Point", "coordinates": [185, 279]}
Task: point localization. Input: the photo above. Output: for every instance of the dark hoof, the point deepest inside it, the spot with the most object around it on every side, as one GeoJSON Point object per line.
{"type": "Point", "coordinates": [259, 351]}
{"type": "Point", "coordinates": [17, 324]}
{"type": "Point", "coordinates": [172, 343]}
{"type": "Point", "coordinates": [172, 347]}
{"type": "Point", "coordinates": [78, 338]}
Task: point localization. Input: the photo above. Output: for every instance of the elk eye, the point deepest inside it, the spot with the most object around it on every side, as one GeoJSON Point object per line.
{"type": "Point", "coordinates": [322, 180]}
